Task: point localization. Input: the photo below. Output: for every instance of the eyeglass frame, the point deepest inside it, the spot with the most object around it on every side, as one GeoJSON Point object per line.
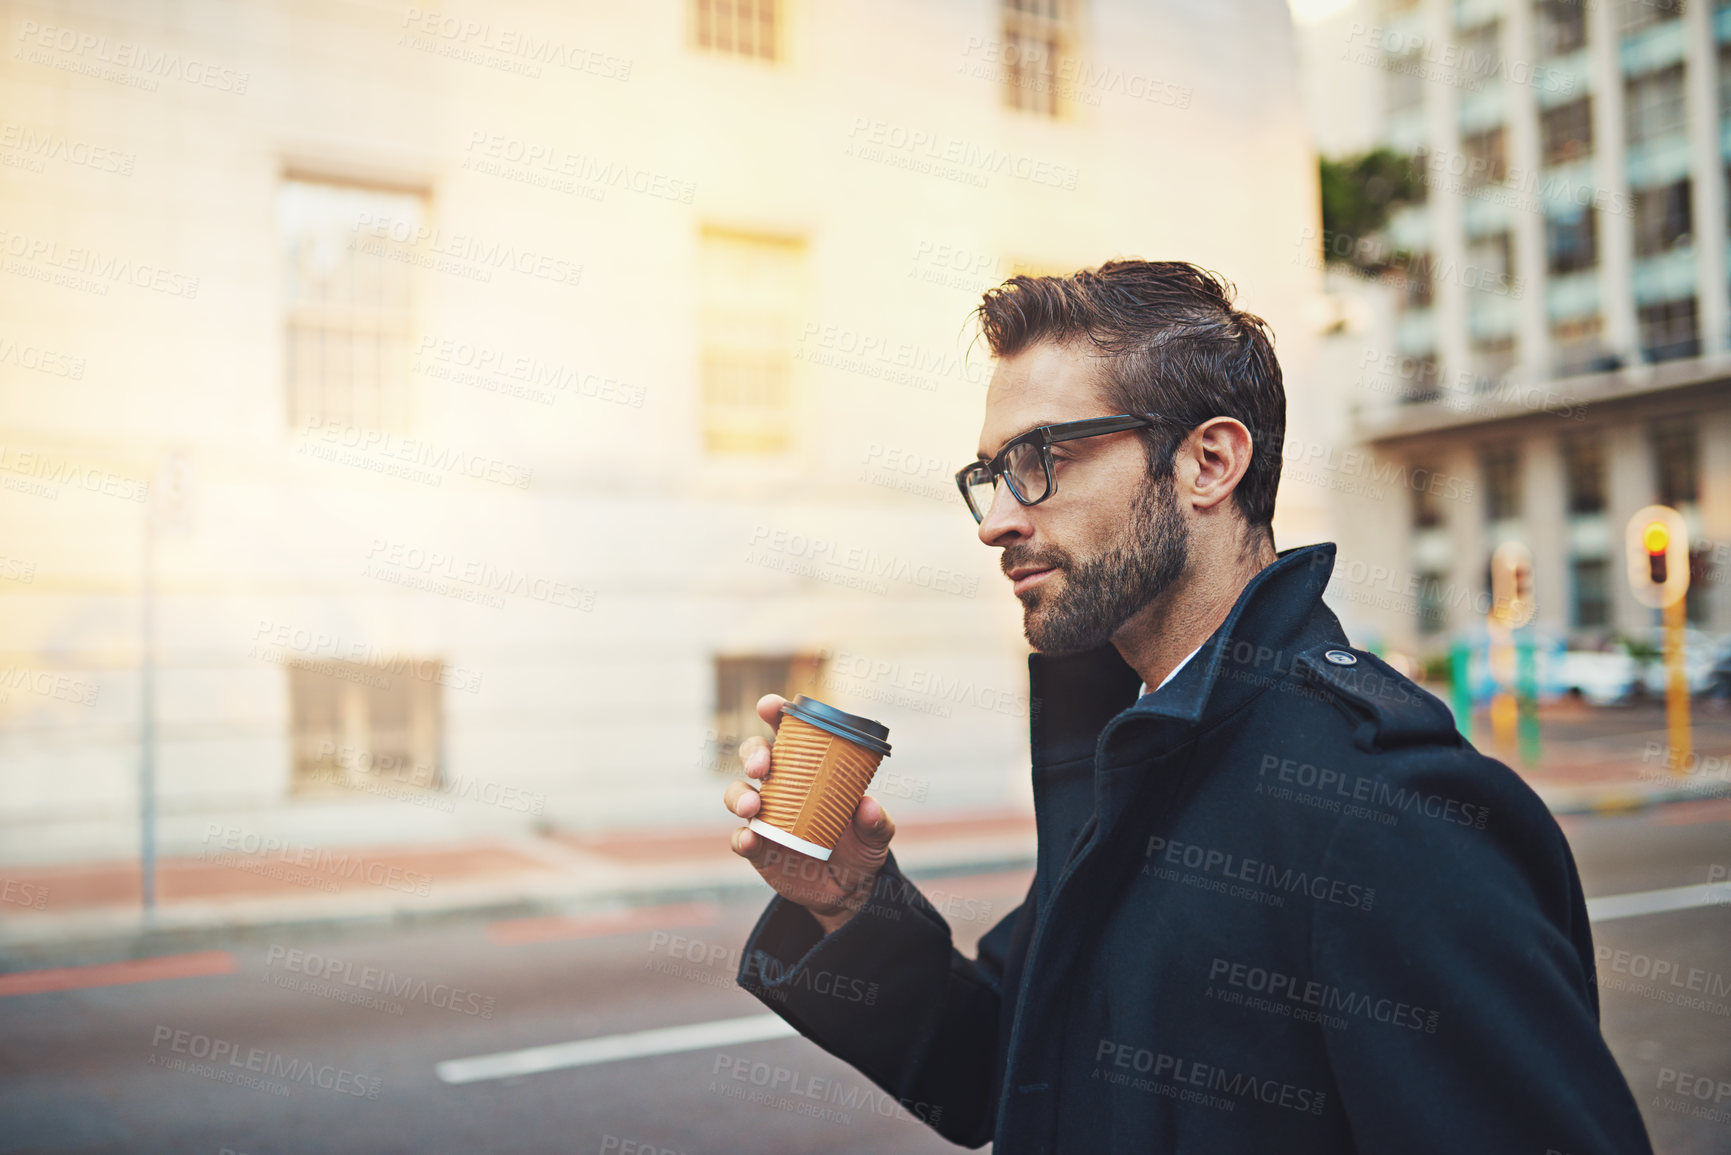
{"type": "Point", "coordinates": [1044, 437]}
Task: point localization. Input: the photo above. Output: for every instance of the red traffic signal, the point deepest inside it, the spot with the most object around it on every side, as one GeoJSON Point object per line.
{"type": "Point", "coordinates": [1656, 539]}
{"type": "Point", "coordinates": [1657, 544]}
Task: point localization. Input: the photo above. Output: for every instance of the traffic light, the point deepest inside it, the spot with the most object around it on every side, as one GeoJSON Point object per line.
{"type": "Point", "coordinates": [1658, 553]}
{"type": "Point", "coordinates": [1512, 584]}
{"type": "Point", "coordinates": [1656, 538]}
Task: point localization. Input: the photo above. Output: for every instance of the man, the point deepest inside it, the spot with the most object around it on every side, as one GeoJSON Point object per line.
{"type": "Point", "coordinates": [1279, 903]}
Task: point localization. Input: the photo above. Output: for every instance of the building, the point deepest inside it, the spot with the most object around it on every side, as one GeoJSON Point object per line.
{"type": "Point", "coordinates": [467, 414]}
{"type": "Point", "coordinates": [1551, 349]}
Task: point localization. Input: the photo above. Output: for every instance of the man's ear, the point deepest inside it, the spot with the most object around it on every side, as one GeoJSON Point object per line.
{"type": "Point", "coordinates": [1221, 448]}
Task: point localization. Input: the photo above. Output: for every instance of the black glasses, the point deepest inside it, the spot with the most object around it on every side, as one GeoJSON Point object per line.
{"type": "Point", "coordinates": [1025, 461]}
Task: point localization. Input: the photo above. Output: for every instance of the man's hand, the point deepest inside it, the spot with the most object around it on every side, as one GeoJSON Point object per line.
{"type": "Point", "coordinates": [832, 891]}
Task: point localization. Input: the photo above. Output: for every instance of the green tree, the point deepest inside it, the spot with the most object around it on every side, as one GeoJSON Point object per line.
{"type": "Point", "coordinates": [1358, 193]}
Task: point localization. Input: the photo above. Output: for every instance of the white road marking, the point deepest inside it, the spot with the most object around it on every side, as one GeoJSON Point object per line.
{"type": "Point", "coordinates": [611, 1048]}
{"type": "Point", "coordinates": [1658, 901]}
{"type": "Point", "coordinates": [759, 1028]}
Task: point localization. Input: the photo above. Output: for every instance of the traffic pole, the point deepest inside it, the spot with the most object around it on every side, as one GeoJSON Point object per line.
{"type": "Point", "coordinates": [1676, 688]}
{"type": "Point", "coordinates": [147, 719]}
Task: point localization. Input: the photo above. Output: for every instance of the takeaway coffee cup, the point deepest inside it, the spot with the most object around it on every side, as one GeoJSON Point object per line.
{"type": "Point", "coordinates": [819, 768]}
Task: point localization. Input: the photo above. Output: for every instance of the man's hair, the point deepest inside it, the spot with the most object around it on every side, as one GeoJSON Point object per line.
{"type": "Point", "coordinates": [1175, 347]}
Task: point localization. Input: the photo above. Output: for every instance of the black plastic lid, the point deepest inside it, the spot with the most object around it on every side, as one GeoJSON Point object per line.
{"type": "Point", "coordinates": [854, 728]}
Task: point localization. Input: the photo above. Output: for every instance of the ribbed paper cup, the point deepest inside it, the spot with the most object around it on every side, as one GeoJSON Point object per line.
{"type": "Point", "coordinates": [819, 767]}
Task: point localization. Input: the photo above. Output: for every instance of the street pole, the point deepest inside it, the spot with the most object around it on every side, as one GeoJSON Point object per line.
{"type": "Point", "coordinates": [1527, 697]}
{"type": "Point", "coordinates": [1460, 689]}
{"type": "Point", "coordinates": [1676, 688]}
{"type": "Point", "coordinates": [1657, 548]}
{"type": "Point", "coordinates": [147, 717]}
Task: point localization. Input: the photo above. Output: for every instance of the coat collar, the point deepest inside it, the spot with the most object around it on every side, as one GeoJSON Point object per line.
{"type": "Point", "coordinates": [1279, 612]}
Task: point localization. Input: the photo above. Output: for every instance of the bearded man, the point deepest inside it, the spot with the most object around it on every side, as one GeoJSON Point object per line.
{"type": "Point", "coordinates": [1279, 903]}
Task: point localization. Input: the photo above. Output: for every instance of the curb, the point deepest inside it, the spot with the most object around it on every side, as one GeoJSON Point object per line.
{"type": "Point", "coordinates": [112, 934]}
{"type": "Point", "coordinates": [1617, 798]}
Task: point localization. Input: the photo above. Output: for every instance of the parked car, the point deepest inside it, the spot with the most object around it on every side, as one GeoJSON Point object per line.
{"type": "Point", "coordinates": [1701, 654]}
{"type": "Point", "coordinates": [1601, 678]}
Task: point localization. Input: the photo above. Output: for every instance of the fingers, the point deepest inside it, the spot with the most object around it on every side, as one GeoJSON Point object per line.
{"type": "Point", "coordinates": [769, 709]}
{"type": "Point", "coordinates": [754, 756]}
{"type": "Point", "coordinates": [748, 844]}
{"type": "Point", "coordinates": [742, 798]}
{"type": "Point", "coordinates": [872, 824]}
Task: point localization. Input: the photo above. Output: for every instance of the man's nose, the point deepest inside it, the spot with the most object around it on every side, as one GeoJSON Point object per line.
{"type": "Point", "coordinates": [1005, 517]}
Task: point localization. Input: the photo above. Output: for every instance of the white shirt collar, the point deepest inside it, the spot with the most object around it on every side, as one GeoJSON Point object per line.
{"type": "Point", "coordinates": [1168, 677]}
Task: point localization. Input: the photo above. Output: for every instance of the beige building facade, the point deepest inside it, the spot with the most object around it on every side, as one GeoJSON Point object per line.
{"type": "Point", "coordinates": [467, 413]}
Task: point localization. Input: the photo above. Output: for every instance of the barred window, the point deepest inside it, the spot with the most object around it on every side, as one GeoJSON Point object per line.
{"type": "Point", "coordinates": [736, 27]}
{"type": "Point", "coordinates": [348, 296]}
{"type": "Point", "coordinates": [1639, 15]}
{"type": "Point", "coordinates": [1566, 131]}
{"type": "Point", "coordinates": [1653, 105]}
{"type": "Point", "coordinates": [1584, 474]}
{"type": "Point", "coordinates": [358, 726]}
{"type": "Point", "coordinates": [1486, 160]}
{"type": "Point", "coordinates": [739, 683]}
{"type": "Point", "coordinates": [1662, 218]}
{"type": "Point", "coordinates": [1677, 458]}
{"type": "Point", "coordinates": [1669, 331]}
{"type": "Point", "coordinates": [1502, 471]}
{"type": "Point", "coordinates": [1562, 26]}
{"type": "Point", "coordinates": [1039, 35]}
{"type": "Point", "coordinates": [1481, 51]}
{"type": "Point", "coordinates": [1569, 243]}
{"type": "Point", "coordinates": [1589, 592]}
{"type": "Point", "coordinates": [750, 293]}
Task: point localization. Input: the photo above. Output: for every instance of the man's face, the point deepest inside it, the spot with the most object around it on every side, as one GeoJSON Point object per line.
{"type": "Point", "coordinates": [1110, 538]}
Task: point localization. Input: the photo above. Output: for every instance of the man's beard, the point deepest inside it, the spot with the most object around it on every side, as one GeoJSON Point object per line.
{"type": "Point", "coordinates": [1099, 594]}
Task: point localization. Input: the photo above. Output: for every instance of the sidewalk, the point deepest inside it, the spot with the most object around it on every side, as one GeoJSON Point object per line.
{"type": "Point", "coordinates": [1617, 760]}
{"type": "Point", "coordinates": [1593, 762]}
{"type": "Point", "coordinates": [561, 874]}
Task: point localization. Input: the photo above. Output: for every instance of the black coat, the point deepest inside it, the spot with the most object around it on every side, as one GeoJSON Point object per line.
{"type": "Point", "coordinates": [1279, 906]}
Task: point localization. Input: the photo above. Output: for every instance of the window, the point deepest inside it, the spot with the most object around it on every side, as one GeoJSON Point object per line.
{"type": "Point", "coordinates": [356, 726]}
{"type": "Point", "coordinates": [1433, 615]}
{"type": "Point", "coordinates": [1484, 155]}
{"type": "Point", "coordinates": [1589, 593]}
{"type": "Point", "coordinates": [1417, 285]}
{"type": "Point", "coordinates": [1490, 262]}
{"type": "Point", "coordinates": [740, 682]}
{"type": "Point", "coordinates": [1653, 105]}
{"type": "Point", "coordinates": [1578, 346]}
{"type": "Point", "coordinates": [1562, 26]}
{"type": "Point", "coordinates": [1569, 245]}
{"type": "Point", "coordinates": [1492, 358]}
{"type": "Point", "coordinates": [1502, 470]}
{"type": "Point", "coordinates": [737, 27]}
{"type": "Point", "coordinates": [1724, 82]}
{"type": "Point", "coordinates": [1661, 219]}
{"type": "Point", "coordinates": [1421, 170]}
{"type": "Point", "coordinates": [1668, 330]}
{"type": "Point", "coordinates": [1566, 131]}
{"type": "Point", "coordinates": [750, 287]}
{"type": "Point", "coordinates": [1427, 511]}
{"type": "Point", "coordinates": [1584, 474]}
{"type": "Point", "coordinates": [348, 299]}
{"type": "Point", "coordinates": [1421, 385]}
{"type": "Point", "coordinates": [1639, 15]}
{"type": "Point", "coordinates": [1037, 37]}
{"type": "Point", "coordinates": [1405, 82]}
{"type": "Point", "coordinates": [1677, 460]}
{"type": "Point", "coordinates": [1480, 51]}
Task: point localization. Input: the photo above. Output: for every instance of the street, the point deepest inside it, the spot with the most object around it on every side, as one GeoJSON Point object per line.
{"type": "Point", "coordinates": [303, 1048]}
